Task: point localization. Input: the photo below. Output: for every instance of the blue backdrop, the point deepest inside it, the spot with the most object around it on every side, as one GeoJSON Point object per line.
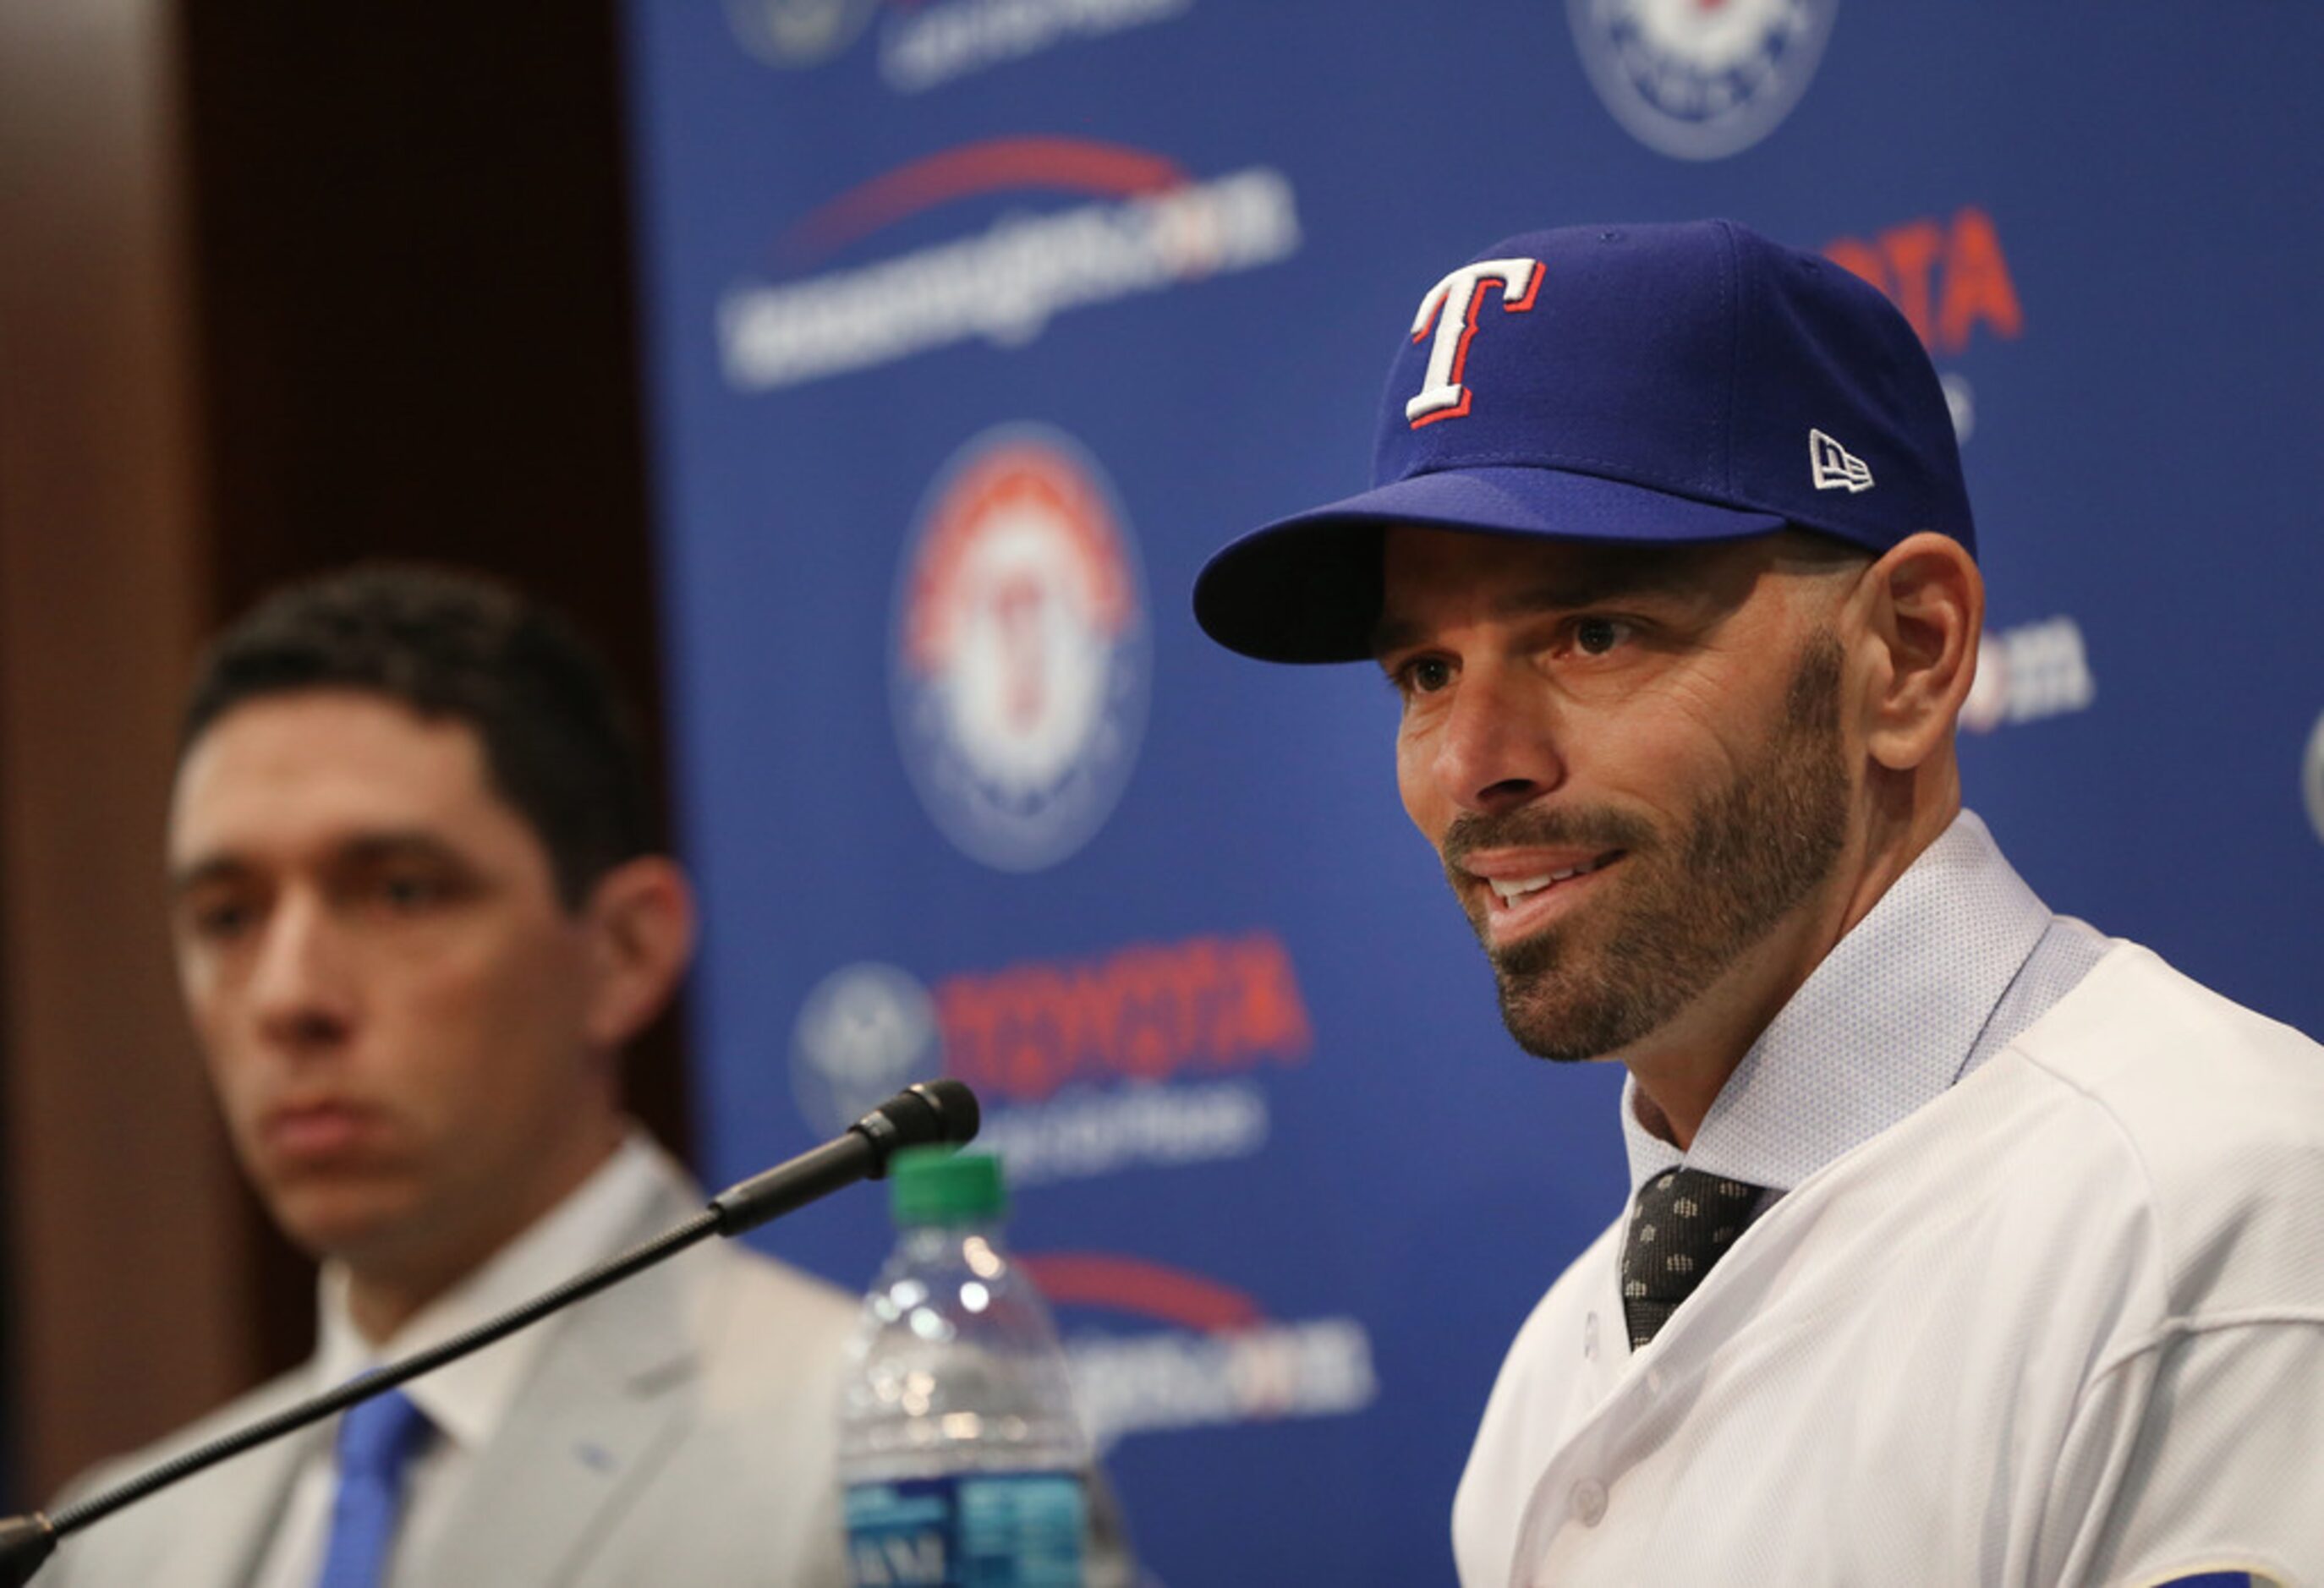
{"type": "Point", "coordinates": [977, 324]}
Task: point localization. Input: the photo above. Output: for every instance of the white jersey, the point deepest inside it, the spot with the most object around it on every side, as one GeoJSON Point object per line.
{"type": "Point", "coordinates": [2062, 1324]}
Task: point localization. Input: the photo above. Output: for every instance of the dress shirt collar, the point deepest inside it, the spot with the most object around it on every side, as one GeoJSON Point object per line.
{"type": "Point", "coordinates": [467, 1400]}
{"type": "Point", "coordinates": [1889, 1021]}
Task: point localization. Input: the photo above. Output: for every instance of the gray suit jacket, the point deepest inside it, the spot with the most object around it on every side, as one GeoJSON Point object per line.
{"type": "Point", "coordinates": [677, 1429]}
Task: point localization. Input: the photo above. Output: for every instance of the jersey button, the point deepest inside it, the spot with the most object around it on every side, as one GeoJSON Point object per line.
{"type": "Point", "coordinates": [1589, 1502]}
{"type": "Point", "coordinates": [1589, 1337]}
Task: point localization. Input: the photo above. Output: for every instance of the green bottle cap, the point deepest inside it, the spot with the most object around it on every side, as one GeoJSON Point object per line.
{"type": "Point", "coordinates": [937, 1185]}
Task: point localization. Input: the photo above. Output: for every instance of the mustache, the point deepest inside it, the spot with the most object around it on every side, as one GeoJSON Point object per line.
{"type": "Point", "coordinates": [1584, 827]}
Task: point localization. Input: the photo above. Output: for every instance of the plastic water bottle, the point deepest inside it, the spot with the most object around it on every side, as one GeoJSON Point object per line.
{"type": "Point", "coordinates": [959, 1445]}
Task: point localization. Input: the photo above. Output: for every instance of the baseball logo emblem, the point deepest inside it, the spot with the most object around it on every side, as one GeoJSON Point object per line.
{"type": "Point", "coordinates": [798, 32]}
{"type": "Point", "coordinates": [1022, 654]}
{"type": "Point", "coordinates": [1699, 79]}
{"type": "Point", "coordinates": [866, 1032]}
{"type": "Point", "coordinates": [2312, 779]}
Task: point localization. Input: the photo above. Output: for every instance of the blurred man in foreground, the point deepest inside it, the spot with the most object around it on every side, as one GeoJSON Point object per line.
{"type": "Point", "coordinates": [1964, 1244]}
{"type": "Point", "coordinates": [416, 919]}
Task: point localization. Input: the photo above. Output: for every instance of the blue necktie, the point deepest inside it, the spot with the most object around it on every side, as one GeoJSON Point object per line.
{"type": "Point", "coordinates": [377, 1439]}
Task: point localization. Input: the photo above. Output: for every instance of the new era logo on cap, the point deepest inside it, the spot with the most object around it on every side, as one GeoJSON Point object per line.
{"type": "Point", "coordinates": [1834, 466]}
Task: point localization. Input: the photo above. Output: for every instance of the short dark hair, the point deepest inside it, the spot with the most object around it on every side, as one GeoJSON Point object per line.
{"type": "Point", "coordinates": [560, 745]}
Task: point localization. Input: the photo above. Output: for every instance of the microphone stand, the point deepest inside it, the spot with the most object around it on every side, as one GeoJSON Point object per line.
{"type": "Point", "coordinates": [933, 1111]}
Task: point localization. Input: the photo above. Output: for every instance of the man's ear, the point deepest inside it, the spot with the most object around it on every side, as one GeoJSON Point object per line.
{"type": "Point", "coordinates": [641, 921]}
{"type": "Point", "coordinates": [1926, 608]}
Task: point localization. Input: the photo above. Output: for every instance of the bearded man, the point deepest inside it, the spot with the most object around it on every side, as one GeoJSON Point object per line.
{"type": "Point", "coordinates": [1964, 1245]}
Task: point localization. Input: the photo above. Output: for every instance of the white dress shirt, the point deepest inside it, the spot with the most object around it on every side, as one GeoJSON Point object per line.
{"type": "Point", "coordinates": [465, 1400]}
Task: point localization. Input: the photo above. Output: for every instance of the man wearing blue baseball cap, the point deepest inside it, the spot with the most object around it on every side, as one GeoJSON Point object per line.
{"type": "Point", "coordinates": [1964, 1245]}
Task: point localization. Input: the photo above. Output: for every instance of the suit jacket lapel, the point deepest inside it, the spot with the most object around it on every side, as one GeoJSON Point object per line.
{"type": "Point", "coordinates": [211, 1532]}
{"type": "Point", "coordinates": [244, 1517]}
{"type": "Point", "coordinates": [596, 1418]}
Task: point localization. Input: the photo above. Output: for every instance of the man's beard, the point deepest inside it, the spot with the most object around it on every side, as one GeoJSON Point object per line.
{"type": "Point", "coordinates": [1687, 909]}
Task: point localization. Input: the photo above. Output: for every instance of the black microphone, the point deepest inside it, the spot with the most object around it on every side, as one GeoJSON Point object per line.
{"type": "Point", "coordinates": [930, 1114]}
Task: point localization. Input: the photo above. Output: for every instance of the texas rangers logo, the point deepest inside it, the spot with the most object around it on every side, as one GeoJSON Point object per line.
{"type": "Point", "coordinates": [866, 1032]}
{"type": "Point", "coordinates": [1022, 654]}
{"type": "Point", "coordinates": [2312, 782]}
{"type": "Point", "coordinates": [1450, 311]}
{"type": "Point", "coordinates": [1699, 79]}
{"type": "Point", "coordinates": [798, 32]}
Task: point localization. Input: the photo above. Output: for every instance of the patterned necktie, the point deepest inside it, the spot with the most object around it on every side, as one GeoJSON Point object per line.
{"type": "Point", "coordinates": [376, 1440]}
{"type": "Point", "coordinates": [1685, 1222]}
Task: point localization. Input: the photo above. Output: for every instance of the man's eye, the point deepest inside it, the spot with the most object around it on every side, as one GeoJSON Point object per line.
{"type": "Point", "coordinates": [1595, 636]}
{"type": "Point", "coordinates": [220, 922]}
{"type": "Point", "coordinates": [410, 892]}
{"type": "Point", "coordinates": [1425, 674]}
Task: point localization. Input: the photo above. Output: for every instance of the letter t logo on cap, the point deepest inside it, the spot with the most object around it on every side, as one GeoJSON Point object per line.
{"type": "Point", "coordinates": [1451, 306]}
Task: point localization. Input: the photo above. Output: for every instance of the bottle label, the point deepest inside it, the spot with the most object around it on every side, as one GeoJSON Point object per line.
{"type": "Point", "coordinates": [968, 1530]}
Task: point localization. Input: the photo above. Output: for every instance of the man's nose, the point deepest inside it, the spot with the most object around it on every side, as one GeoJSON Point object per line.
{"type": "Point", "coordinates": [299, 988]}
{"type": "Point", "coordinates": [1500, 745]}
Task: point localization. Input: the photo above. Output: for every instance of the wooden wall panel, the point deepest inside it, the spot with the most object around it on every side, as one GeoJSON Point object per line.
{"type": "Point", "coordinates": [128, 1241]}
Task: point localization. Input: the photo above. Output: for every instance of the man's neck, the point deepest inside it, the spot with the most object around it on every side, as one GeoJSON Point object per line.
{"type": "Point", "coordinates": [1681, 1068]}
{"type": "Point", "coordinates": [387, 1291]}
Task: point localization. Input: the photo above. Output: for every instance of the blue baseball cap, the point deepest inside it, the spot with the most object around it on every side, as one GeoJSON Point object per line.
{"type": "Point", "coordinates": [1670, 384]}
